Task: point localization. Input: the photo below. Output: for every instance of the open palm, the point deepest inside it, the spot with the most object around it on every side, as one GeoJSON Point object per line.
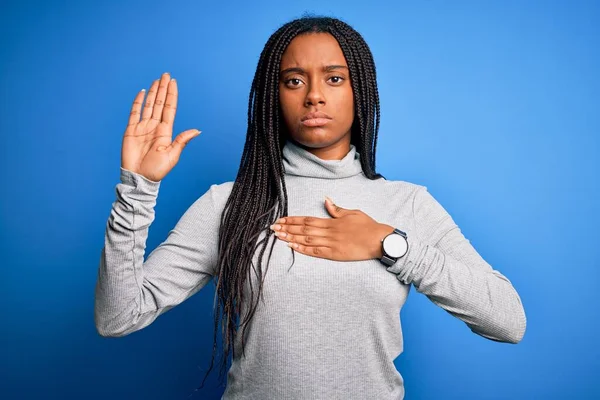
{"type": "Point", "coordinates": [148, 148]}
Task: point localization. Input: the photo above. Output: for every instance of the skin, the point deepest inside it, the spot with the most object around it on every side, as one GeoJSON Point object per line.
{"type": "Point", "coordinates": [314, 76]}
{"type": "Point", "coordinates": [148, 147]}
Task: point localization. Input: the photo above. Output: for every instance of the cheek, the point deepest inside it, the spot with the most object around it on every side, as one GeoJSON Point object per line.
{"type": "Point", "coordinates": [288, 106]}
{"type": "Point", "coordinates": [346, 107]}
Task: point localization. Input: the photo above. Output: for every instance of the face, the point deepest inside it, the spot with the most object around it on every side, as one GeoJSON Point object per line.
{"type": "Point", "coordinates": [314, 78]}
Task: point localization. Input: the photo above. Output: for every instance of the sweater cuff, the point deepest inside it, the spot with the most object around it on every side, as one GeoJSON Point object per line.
{"type": "Point", "coordinates": [137, 180]}
{"type": "Point", "coordinates": [137, 186]}
{"type": "Point", "coordinates": [406, 267]}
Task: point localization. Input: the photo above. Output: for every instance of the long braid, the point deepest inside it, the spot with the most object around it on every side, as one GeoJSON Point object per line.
{"type": "Point", "coordinates": [259, 194]}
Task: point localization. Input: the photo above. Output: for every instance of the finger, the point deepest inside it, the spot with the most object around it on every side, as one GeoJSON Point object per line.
{"type": "Point", "coordinates": [313, 251]}
{"type": "Point", "coordinates": [161, 96]}
{"type": "Point", "coordinates": [303, 230]}
{"type": "Point", "coordinates": [149, 106]}
{"type": "Point", "coordinates": [176, 147]}
{"type": "Point", "coordinates": [311, 221]}
{"type": "Point", "coordinates": [308, 240]}
{"type": "Point", "coordinates": [168, 115]}
{"type": "Point", "coordinates": [134, 115]}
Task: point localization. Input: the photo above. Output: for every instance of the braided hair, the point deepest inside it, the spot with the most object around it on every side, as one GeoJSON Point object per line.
{"type": "Point", "coordinates": [259, 196]}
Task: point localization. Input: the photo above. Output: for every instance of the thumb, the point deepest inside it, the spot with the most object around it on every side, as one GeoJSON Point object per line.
{"type": "Point", "coordinates": [182, 140]}
{"type": "Point", "coordinates": [334, 210]}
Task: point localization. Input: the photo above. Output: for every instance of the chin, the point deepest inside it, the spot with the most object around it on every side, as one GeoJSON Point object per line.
{"type": "Point", "coordinates": [315, 137]}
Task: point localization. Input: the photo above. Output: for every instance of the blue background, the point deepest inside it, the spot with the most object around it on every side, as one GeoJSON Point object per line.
{"type": "Point", "coordinates": [491, 105]}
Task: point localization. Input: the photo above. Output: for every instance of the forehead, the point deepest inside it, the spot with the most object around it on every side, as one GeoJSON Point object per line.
{"type": "Point", "coordinates": [312, 49]}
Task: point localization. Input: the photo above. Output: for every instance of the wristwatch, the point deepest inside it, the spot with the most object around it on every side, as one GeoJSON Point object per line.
{"type": "Point", "coordinates": [394, 246]}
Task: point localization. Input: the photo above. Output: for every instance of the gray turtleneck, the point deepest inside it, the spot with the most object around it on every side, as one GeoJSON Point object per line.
{"type": "Point", "coordinates": [326, 329]}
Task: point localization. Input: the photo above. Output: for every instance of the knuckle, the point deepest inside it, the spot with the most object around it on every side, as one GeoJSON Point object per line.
{"type": "Point", "coordinates": [159, 102]}
{"type": "Point", "coordinates": [316, 250]}
{"type": "Point", "coordinates": [308, 239]}
{"type": "Point", "coordinates": [305, 229]}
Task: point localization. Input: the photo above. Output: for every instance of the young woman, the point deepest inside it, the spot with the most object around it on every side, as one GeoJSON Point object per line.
{"type": "Point", "coordinates": [309, 290]}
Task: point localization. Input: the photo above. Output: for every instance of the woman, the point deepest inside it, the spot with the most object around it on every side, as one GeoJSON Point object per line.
{"type": "Point", "coordinates": [329, 327]}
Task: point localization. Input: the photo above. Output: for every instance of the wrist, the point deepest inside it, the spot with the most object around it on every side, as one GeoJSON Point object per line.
{"type": "Point", "coordinates": [380, 233]}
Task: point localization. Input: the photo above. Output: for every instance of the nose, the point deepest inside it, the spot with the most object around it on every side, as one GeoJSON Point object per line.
{"type": "Point", "coordinates": [314, 96]}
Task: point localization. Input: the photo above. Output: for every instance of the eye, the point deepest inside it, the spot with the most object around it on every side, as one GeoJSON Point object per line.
{"type": "Point", "coordinates": [295, 82]}
{"type": "Point", "coordinates": [337, 79]}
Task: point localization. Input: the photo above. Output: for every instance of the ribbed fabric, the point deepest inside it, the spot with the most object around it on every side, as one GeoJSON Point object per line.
{"type": "Point", "coordinates": [326, 329]}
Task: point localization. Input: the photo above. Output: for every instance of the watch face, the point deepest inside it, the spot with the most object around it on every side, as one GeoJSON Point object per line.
{"type": "Point", "coordinates": [395, 245]}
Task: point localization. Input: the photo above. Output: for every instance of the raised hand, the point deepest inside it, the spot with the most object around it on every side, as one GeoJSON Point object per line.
{"type": "Point", "coordinates": [148, 148]}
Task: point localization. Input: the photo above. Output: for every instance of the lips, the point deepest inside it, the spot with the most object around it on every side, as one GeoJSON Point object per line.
{"type": "Point", "coordinates": [315, 115]}
{"type": "Point", "coordinates": [317, 118]}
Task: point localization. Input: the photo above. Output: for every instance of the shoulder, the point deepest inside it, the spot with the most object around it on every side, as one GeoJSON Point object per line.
{"type": "Point", "coordinates": [221, 189]}
{"type": "Point", "coordinates": [216, 196]}
{"type": "Point", "coordinates": [399, 187]}
{"type": "Point", "coordinates": [432, 220]}
{"type": "Point", "coordinates": [403, 185]}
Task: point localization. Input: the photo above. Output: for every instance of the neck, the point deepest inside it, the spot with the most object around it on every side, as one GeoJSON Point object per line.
{"type": "Point", "coordinates": [299, 161]}
{"type": "Point", "coordinates": [334, 151]}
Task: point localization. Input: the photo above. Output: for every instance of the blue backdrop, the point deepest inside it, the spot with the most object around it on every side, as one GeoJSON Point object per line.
{"type": "Point", "coordinates": [491, 105]}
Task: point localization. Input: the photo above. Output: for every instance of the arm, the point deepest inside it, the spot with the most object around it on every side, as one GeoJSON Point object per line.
{"type": "Point", "coordinates": [442, 264]}
{"type": "Point", "coordinates": [130, 293]}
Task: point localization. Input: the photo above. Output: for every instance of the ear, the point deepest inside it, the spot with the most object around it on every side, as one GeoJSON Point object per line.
{"type": "Point", "coordinates": [334, 210]}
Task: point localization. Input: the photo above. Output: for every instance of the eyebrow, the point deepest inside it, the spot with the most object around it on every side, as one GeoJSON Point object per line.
{"type": "Point", "coordinates": [327, 68]}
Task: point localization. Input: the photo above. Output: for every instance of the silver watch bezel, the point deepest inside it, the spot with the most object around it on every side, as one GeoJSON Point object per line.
{"type": "Point", "coordinates": [387, 238]}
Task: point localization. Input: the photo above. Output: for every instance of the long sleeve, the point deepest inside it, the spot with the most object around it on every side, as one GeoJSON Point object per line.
{"type": "Point", "coordinates": [442, 264]}
{"type": "Point", "coordinates": [130, 293]}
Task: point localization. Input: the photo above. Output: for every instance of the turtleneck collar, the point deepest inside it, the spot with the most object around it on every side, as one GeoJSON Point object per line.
{"type": "Point", "coordinates": [300, 162]}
